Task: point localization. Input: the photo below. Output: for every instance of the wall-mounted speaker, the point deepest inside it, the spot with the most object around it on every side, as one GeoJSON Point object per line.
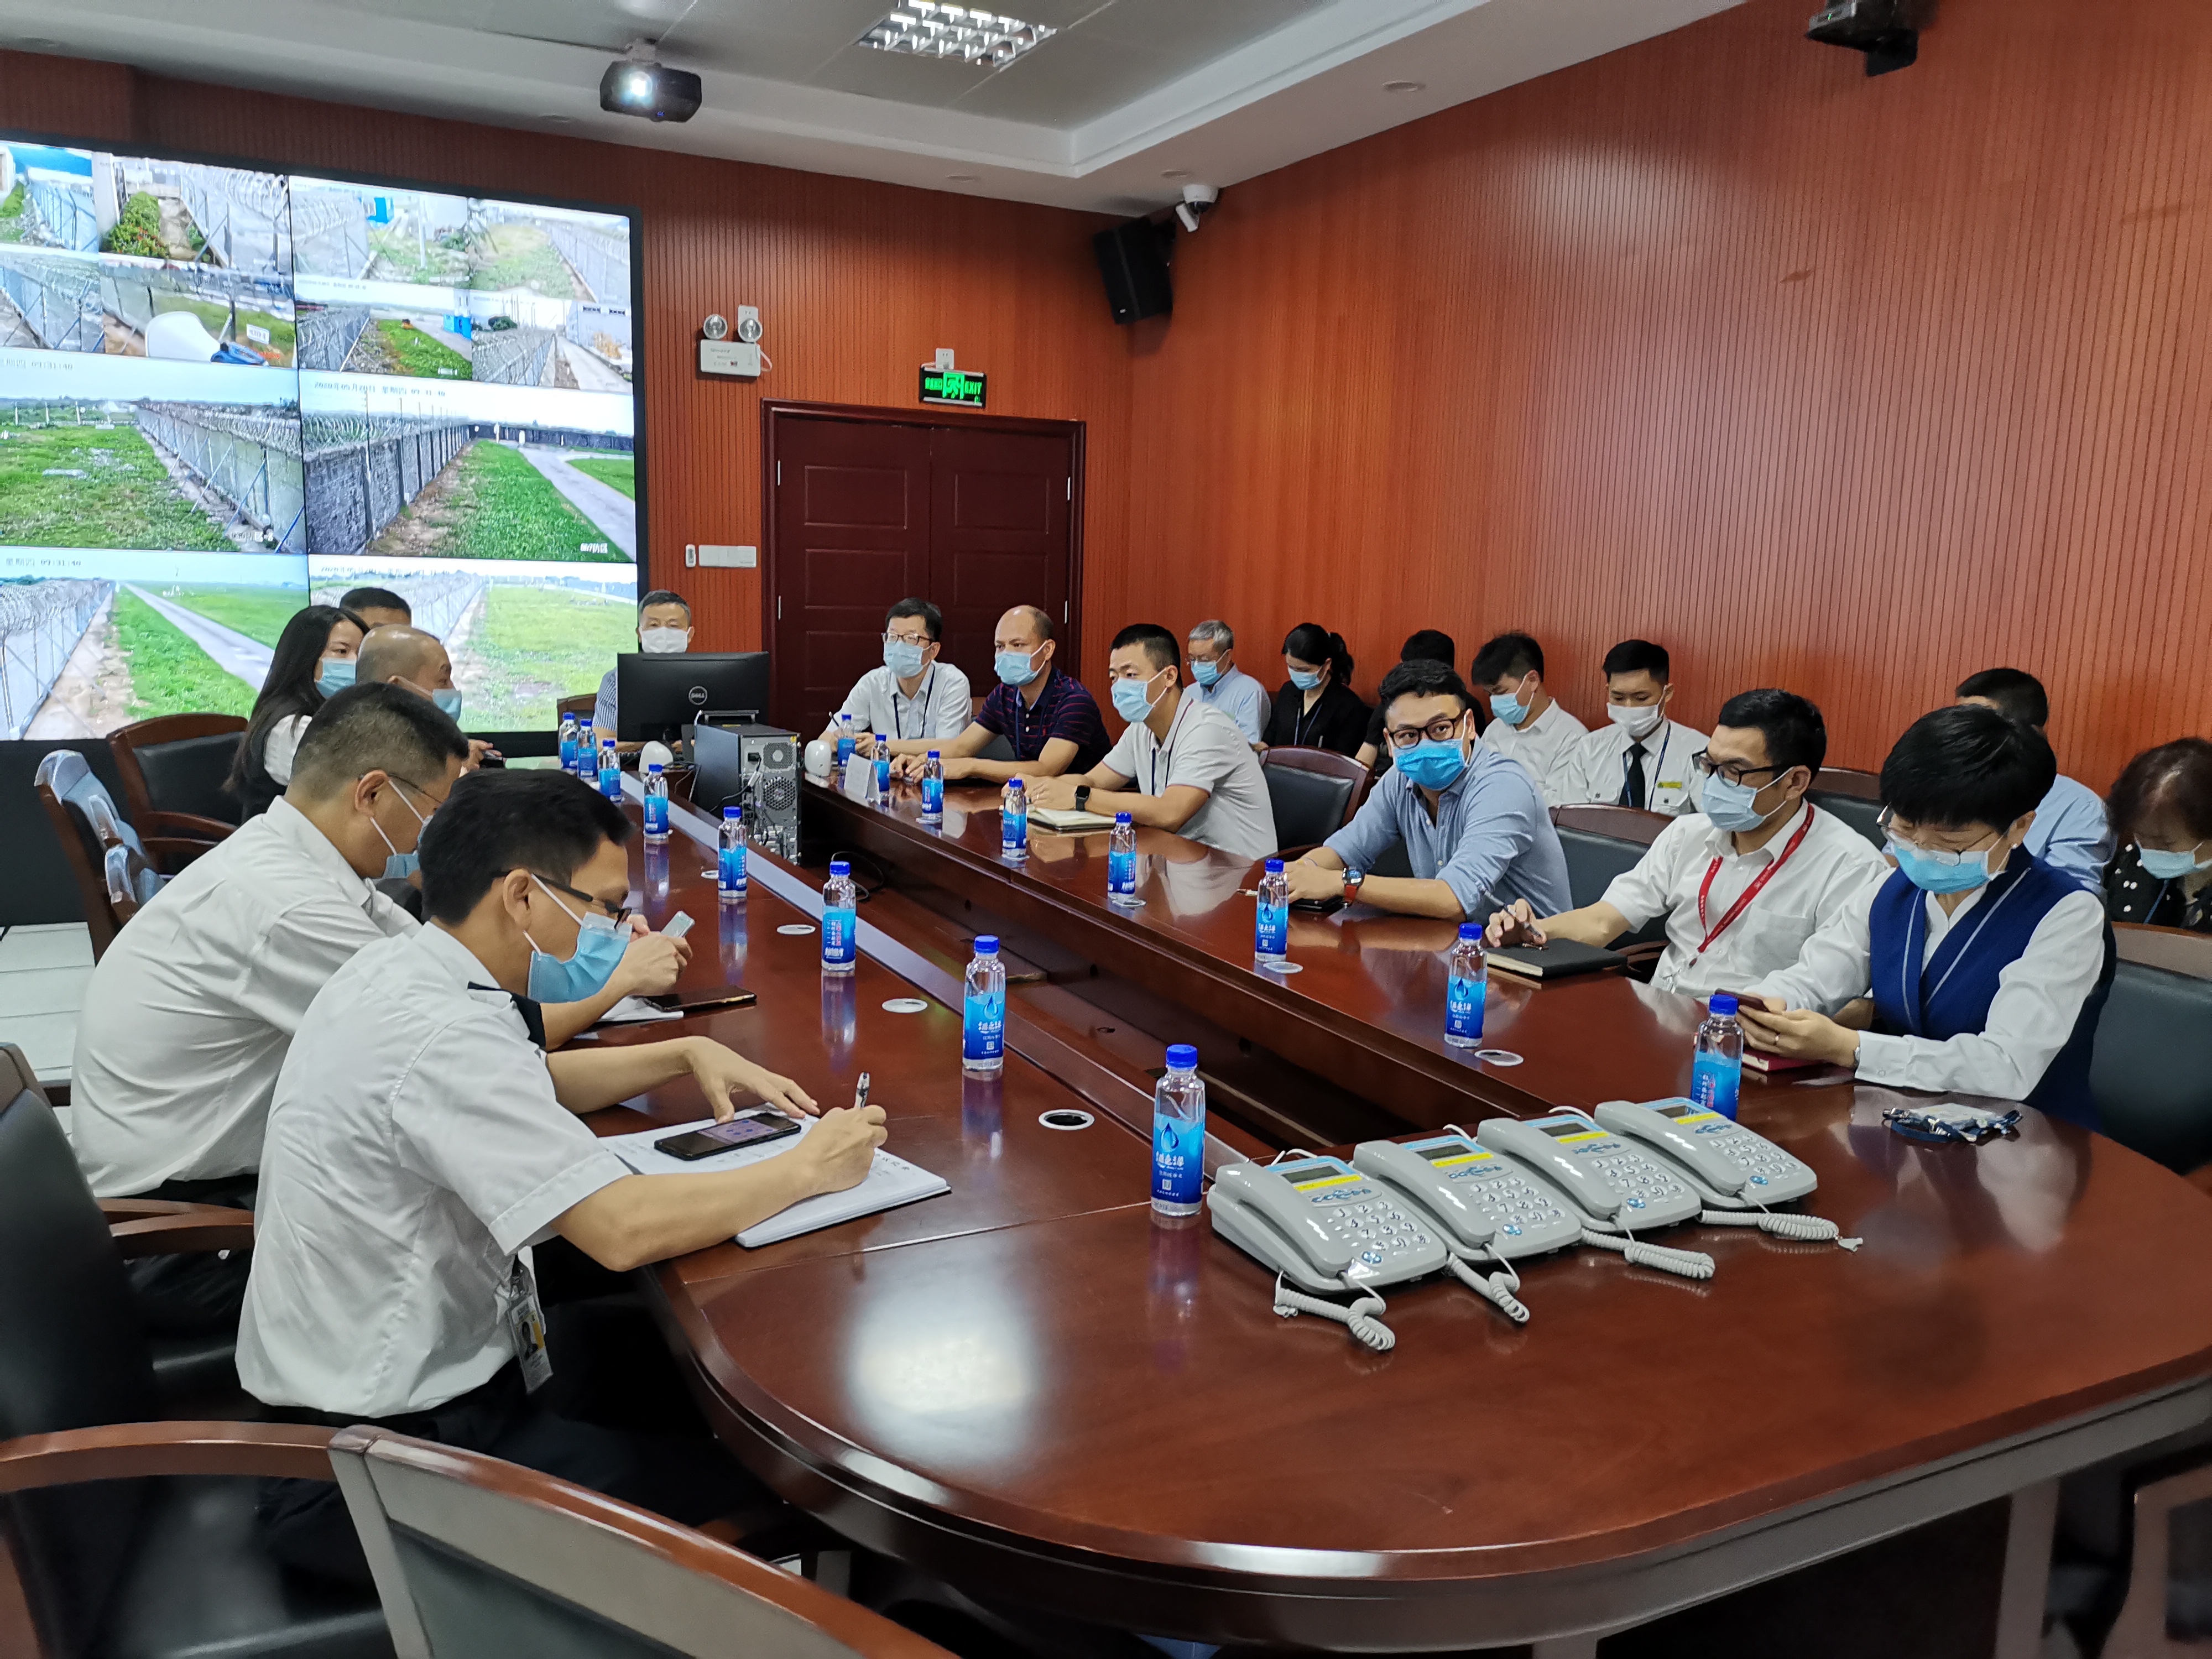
{"type": "Point", "coordinates": [1134, 258]}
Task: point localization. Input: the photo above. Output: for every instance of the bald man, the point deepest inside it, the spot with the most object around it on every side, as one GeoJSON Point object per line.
{"type": "Point", "coordinates": [1049, 719]}
{"type": "Point", "coordinates": [417, 661]}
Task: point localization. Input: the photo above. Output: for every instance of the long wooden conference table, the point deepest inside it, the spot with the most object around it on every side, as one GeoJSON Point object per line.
{"type": "Point", "coordinates": [1036, 1389]}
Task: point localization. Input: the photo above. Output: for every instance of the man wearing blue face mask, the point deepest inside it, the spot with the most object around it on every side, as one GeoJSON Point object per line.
{"type": "Point", "coordinates": [421, 1139]}
{"type": "Point", "coordinates": [418, 662]}
{"type": "Point", "coordinates": [916, 699]}
{"type": "Point", "coordinates": [1219, 682]}
{"type": "Point", "coordinates": [1475, 828]}
{"type": "Point", "coordinates": [1048, 718]}
{"type": "Point", "coordinates": [1975, 967]}
{"type": "Point", "coordinates": [1181, 766]}
{"type": "Point", "coordinates": [1743, 884]}
{"type": "Point", "coordinates": [1525, 724]}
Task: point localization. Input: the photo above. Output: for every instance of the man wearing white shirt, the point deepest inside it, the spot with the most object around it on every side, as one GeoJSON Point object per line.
{"type": "Point", "coordinates": [421, 1138]}
{"type": "Point", "coordinates": [1219, 682]}
{"type": "Point", "coordinates": [1976, 966]}
{"type": "Point", "coordinates": [916, 698]}
{"type": "Point", "coordinates": [190, 1013]}
{"type": "Point", "coordinates": [1744, 885]}
{"type": "Point", "coordinates": [1640, 758]}
{"type": "Point", "coordinates": [664, 630]}
{"type": "Point", "coordinates": [1180, 765]}
{"type": "Point", "coordinates": [1525, 725]}
{"type": "Point", "coordinates": [2072, 834]}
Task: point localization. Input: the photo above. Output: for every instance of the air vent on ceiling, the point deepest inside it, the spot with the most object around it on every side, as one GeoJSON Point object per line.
{"type": "Point", "coordinates": [925, 28]}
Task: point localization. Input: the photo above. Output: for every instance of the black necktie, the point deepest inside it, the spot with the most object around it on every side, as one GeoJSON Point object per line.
{"type": "Point", "coordinates": [1632, 793]}
{"type": "Point", "coordinates": [533, 1017]}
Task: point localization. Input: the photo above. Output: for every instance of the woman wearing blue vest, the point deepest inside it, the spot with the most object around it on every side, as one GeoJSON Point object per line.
{"type": "Point", "coordinates": [1976, 968]}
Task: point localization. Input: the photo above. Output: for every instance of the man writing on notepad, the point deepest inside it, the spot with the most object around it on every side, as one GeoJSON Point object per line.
{"type": "Point", "coordinates": [1182, 765]}
{"type": "Point", "coordinates": [1744, 883]}
{"type": "Point", "coordinates": [421, 1138]}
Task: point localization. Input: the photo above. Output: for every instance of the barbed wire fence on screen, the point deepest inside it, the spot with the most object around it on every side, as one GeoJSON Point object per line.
{"type": "Point", "coordinates": [56, 297]}
{"type": "Point", "coordinates": [362, 469]}
{"type": "Point", "coordinates": [40, 624]}
{"type": "Point", "coordinates": [63, 212]}
{"type": "Point", "coordinates": [512, 357]}
{"type": "Point", "coordinates": [244, 217]}
{"type": "Point", "coordinates": [325, 335]}
{"type": "Point", "coordinates": [252, 460]}
{"type": "Point", "coordinates": [329, 234]}
{"type": "Point", "coordinates": [438, 600]}
{"type": "Point", "coordinates": [602, 260]}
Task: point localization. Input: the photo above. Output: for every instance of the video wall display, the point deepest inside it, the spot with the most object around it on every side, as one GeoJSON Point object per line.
{"type": "Point", "coordinates": [226, 394]}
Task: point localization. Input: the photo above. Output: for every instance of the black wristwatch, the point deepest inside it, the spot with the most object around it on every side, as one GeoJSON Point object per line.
{"type": "Point", "coordinates": [1353, 878]}
{"type": "Point", "coordinates": [1082, 797]}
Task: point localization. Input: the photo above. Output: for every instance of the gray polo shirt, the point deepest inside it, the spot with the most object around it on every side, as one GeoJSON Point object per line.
{"type": "Point", "coordinates": [1491, 842]}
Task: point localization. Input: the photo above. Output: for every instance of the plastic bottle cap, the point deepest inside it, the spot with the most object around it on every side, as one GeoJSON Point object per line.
{"type": "Point", "coordinates": [654, 769]}
{"type": "Point", "coordinates": [1470, 930]}
{"type": "Point", "coordinates": [935, 754]}
{"type": "Point", "coordinates": [734, 813]}
{"type": "Point", "coordinates": [987, 944]}
{"type": "Point", "coordinates": [1723, 1003]}
{"type": "Point", "coordinates": [1275, 866]}
{"type": "Point", "coordinates": [880, 737]}
{"type": "Point", "coordinates": [841, 867]}
{"type": "Point", "coordinates": [1123, 817]}
{"type": "Point", "coordinates": [1182, 1057]}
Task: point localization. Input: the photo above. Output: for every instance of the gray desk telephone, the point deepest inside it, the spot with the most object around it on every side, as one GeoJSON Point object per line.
{"type": "Point", "coordinates": [1615, 1187]}
{"type": "Point", "coordinates": [1735, 1171]}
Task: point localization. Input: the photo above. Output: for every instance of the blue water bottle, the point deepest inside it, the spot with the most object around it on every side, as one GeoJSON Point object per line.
{"type": "Point", "coordinates": [846, 742]}
{"type": "Point", "coordinates": [1271, 941]}
{"type": "Point", "coordinates": [730, 865]}
{"type": "Point", "coordinates": [1465, 989]}
{"type": "Point", "coordinates": [983, 1017]}
{"type": "Point", "coordinates": [933, 788]}
{"type": "Point", "coordinates": [656, 806]}
{"type": "Point", "coordinates": [609, 770]}
{"type": "Point", "coordinates": [1717, 1068]}
{"type": "Point", "coordinates": [883, 769]}
{"type": "Point", "coordinates": [841, 922]}
{"type": "Point", "coordinates": [1121, 861]}
{"type": "Point", "coordinates": [1014, 822]}
{"type": "Point", "coordinates": [1179, 1135]}
{"type": "Point", "coordinates": [568, 744]}
{"type": "Point", "coordinates": [587, 752]}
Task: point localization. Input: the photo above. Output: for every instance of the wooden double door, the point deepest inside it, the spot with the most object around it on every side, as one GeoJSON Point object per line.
{"type": "Point", "coordinates": [868, 507]}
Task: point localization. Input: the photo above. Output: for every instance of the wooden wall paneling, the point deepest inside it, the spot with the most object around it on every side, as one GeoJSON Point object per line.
{"type": "Point", "coordinates": [1851, 384]}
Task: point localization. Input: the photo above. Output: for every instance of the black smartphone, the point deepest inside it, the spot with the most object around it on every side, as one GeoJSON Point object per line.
{"type": "Point", "coordinates": [696, 1002]}
{"type": "Point", "coordinates": [1320, 906]}
{"type": "Point", "coordinates": [752, 1129]}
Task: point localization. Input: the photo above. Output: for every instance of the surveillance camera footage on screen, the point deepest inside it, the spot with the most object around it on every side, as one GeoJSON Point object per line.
{"type": "Point", "coordinates": [226, 394]}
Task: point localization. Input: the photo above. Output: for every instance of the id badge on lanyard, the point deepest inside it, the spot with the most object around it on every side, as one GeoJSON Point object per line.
{"type": "Point", "coordinates": [525, 1325]}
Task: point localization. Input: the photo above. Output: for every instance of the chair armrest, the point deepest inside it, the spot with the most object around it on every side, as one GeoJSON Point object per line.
{"type": "Point", "coordinates": [190, 825]}
{"type": "Point", "coordinates": [1291, 855]}
{"type": "Point", "coordinates": [119, 1451]}
{"type": "Point", "coordinates": [170, 853]}
{"type": "Point", "coordinates": [205, 1228]}
{"type": "Point", "coordinates": [137, 1209]}
{"type": "Point", "coordinates": [2140, 1627]}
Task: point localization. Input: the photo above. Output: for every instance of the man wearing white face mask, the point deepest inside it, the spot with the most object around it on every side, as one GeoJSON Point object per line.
{"type": "Point", "coordinates": [916, 699]}
{"type": "Point", "coordinates": [664, 629]}
{"type": "Point", "coordinates": [1743, 884]}
{"type": "Point", "coordinates": [1182, 765]}
{"type": "Point", "coordinates": [1525, 724]}
{"type": "Point", "coordinates": [1976, 966]}
{"type": "Point", "coordinates": [1641, 758]}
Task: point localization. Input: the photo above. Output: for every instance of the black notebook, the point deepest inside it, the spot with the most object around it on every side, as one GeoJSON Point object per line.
{"type": "Point", "coordinates": [1561, 958]}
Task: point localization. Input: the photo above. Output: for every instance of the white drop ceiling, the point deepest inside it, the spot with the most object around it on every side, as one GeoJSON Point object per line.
{"type": "Point", "coordinates": [1128, 99]}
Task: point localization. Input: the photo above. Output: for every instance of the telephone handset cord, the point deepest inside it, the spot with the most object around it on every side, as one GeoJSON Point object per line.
{"type": "Point", "coordinates": [1782, 1224]}
{"type": "Point", "coordinates": [1689, 1264]}
{"type": "Point", "coordinates": [1371, 1331]}
{"type": "Point", "coordinates": [1491, 1287]}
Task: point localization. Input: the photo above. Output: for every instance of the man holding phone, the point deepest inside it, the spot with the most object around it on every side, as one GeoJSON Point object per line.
{"type": "Point", "coordinates": [421, 1138]}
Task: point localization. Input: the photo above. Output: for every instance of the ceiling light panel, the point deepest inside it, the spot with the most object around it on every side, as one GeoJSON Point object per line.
{"type": "Point", "coordinates": [926, 29]}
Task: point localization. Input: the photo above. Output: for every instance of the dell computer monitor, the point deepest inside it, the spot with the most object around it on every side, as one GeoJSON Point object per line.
{"type": "Point", "coordinates": [658, 696]}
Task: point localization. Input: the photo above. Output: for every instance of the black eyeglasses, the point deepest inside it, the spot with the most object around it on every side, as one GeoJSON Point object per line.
{"type": "Point", "coordinates": [619, 912]}
{"type": "Point", "coordinates": [1436, 730]}
{"type": "Point", "coordinates": [1708, 767]}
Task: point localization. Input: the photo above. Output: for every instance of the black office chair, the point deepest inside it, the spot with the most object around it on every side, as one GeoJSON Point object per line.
{"type": "Point", "coordinates": [1313, 791]}
{"type": "Point", "coordinates": [998, 748]}
{"type": "Point", "coordinates": [2151, 1072]}
{"type": "Point", "coordinates": [112, 1562]}
{"type": "Point", "coordinates": [1593, 860]}
{"type": "Point", "coordinates": [173, 769]}
{"type": "Point", "coordinates": [1853, 796]}
{"type": "Point", "coordinates": [90, 828]}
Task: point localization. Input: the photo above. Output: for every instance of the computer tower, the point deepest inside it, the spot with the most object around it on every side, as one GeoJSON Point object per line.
{"type": "Point", "coordinates": [755, 766]}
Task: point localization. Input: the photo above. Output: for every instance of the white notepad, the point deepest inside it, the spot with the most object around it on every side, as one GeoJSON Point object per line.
{"type": "Point", "coordinates": [1067, 821]}
{"type": "Point", "coordinates": [891, 1182]}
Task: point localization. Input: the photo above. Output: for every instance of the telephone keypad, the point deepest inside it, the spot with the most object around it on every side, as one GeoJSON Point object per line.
{"type": "Point", "coordinates": [1373, 1226]}
{"type": "Point", "coordinates": [1509, 1203]}
{"type": "Point", "coordinates": [1640, 1182]}
{"type": "Point", "coordinates": [1768, 1165]}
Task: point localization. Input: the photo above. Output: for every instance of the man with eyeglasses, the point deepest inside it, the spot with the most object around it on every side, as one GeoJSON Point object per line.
{"type": "Point", "coordinates": [1743, 884]}
{"type": "Point", "coordinates": [1473, 824]}
{"type": "Point", "coordinates": [1976, 966]}
{"type": "Point", "coordinates": [915, 698]}
{"type": "Point", "coordinates": [420, 1140]}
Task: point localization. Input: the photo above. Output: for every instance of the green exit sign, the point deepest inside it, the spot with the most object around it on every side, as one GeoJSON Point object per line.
{"type": "Point", "coordinates": [956, 386]}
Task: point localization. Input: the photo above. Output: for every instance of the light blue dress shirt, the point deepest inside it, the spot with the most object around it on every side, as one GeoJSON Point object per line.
{"type": "Point", "coordinates": [1240, 697]}
{"type": "Point", "coordinates": [2071, 835]}
{"type": "Point", "coordinates": [1492, 841]}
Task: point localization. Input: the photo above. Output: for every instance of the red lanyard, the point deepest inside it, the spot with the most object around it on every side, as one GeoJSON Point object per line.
{"type": "Point", "coordinates": [1749, 893]}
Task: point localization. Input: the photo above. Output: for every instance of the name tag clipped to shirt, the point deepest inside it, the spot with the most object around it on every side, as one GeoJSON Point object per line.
{"type": "Point", "coordinates": [525, 1325]}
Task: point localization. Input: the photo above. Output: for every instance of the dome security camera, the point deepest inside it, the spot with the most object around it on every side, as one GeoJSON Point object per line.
{"type": "Point", "coordinates": [1197, 201]}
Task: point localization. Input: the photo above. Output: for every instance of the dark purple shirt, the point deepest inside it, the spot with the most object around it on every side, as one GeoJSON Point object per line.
{"type": "Point", "coordinates": [1064, 708]}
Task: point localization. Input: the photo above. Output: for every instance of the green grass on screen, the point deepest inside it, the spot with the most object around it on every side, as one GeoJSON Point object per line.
{"type": "Point", "coordinates": [123, 498]}
{"type": "Point", "coordinates": [535, 644]}
{"type": "Point", "coordinates": [416, 353]}
{"type": "Point", "coordinates": [616, 472]}
{"type": "Point", "coordinates": [259, 613]}
{"type": "Point", "coordinates": [170, 675]}
{"type": "Point", "coordinates": [494, 504]}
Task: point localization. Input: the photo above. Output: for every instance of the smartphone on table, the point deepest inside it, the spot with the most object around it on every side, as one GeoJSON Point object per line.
{"type": "Point", "coordinates": [753, 1128]}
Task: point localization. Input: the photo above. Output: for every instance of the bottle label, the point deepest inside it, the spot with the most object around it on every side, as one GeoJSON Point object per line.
{"type": "Point", "coordinates": [587, 762]}
{"type": "Point", "coordinates": [611, 782]}
{"type": "Point", "coordinates": [983, 1032]}
{"type": "Point", "coordinates": [1178, 1158]}
{"type": "Point", "coordinates": [1275, 931]}
{"type": "Point", "coordinates": [882, 773]}
{"type": "Point", "coordinates": [932, 797]}
{"type": "Point", "coordinates": [730, 872]}
{"type": "Point", "coordinates": [1463, 1007]}
{"type": "Point", "coordinates": [1122, 872]}
{"type": "Point", "coordinates": [1014, 831]}
{"type": "Point", "coordinates": [844, 749]}
{"type": "Point", "coordinates": [839, 930]}
{"type": "Point", "coordinates": [656, 817]}
{"type": "Point", "coordinates": [567, 754]}
{"type": "Point", "coordinates": [1715, 1081]}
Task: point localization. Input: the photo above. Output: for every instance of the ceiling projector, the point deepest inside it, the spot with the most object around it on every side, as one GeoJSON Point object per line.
{"type": "Point", "coordinates": [641, 86]}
